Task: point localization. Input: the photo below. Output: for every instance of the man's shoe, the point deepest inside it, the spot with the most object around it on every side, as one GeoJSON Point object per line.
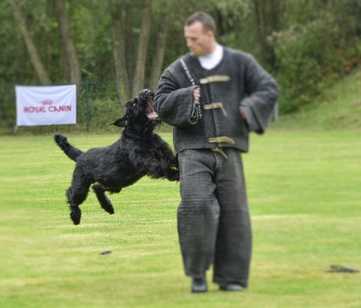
{"type": "Point", "coordinates": [199, 285]}
{"type": "Point", "coordinates": [231, 287]}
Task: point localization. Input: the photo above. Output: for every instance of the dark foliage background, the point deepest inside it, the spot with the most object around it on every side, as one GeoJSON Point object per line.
{"type": "Point", "coordinates": [113, 48]}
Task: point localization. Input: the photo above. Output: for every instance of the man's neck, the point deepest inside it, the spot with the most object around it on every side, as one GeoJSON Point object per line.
{"type": "Point", "coordinates": [211, 60]}
{"type": "Point", "coordinates": [212, 48]}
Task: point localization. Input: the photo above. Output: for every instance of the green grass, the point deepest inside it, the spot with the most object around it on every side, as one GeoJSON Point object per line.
{"type": "Point", "coordinates": [304, 192]}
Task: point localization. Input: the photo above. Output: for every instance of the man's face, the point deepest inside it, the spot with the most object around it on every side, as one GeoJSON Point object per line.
{"type": "Point", "coordinates": [200, 41]}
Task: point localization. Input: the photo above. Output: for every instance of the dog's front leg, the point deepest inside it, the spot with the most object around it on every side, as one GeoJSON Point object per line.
{"type": "Point", "coordinates": [169, 163]}
{"type": "Point", "coordinates": [102, 198]}
{"type": "Point", "coordinates": [163, 168]}
{"type": "Point", "coordinates": [172, 172]}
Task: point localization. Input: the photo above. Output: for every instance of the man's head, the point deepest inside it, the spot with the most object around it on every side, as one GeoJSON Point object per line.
{"type": "Point", "coordinates": [199, 32]}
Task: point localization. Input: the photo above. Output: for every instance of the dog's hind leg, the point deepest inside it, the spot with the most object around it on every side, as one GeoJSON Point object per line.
{"type": "Point", "coordinates": [102, 198]}
{"type": "Point", "coordinates": [76, 194]}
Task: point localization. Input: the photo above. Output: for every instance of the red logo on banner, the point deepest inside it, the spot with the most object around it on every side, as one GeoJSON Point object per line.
{"type": "Point", "coordinates": [47, 106]}
{"type": "Point", "coordinates": [47, 102]}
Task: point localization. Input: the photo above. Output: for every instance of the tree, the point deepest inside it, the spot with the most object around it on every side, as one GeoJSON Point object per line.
{"type": "Point", "coordinates": [139, 74]}
{"type": "Point", "coordinates": [119, 50]}
{"type": "Point", "coordinates": [71, 56]}
{"type": "Point", "coordinates": [160, 43]}
{"type": "Point", "coordinates": [29, 43]}
{"type": "Point", "coordinates": [268, 20]}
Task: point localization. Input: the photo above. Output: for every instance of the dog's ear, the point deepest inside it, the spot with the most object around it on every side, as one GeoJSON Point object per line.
{"type": "Point", "coordinates": [121, 122]}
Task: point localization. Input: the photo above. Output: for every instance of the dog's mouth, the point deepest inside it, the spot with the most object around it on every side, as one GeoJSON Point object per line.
{"type": "Point", "coordinates": [151, 114]}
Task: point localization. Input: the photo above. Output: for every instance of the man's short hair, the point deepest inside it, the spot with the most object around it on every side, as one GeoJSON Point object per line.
{"type": "Point", "coordinates": [205, 19]}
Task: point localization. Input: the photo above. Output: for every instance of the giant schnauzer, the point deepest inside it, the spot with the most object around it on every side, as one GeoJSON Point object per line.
{"type": "Point", "coordinates": [138, 152]}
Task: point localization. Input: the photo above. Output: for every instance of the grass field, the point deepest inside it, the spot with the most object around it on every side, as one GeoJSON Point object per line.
{"type": "Point", "coordinates": [304, 191]}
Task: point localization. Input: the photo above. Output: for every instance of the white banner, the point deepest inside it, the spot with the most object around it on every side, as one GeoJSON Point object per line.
{"type": "Point", "coordinates": [45, 105]}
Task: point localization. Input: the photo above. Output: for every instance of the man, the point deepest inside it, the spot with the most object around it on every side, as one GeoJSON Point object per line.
{"type": "Point", "coordinates": [214, 97]}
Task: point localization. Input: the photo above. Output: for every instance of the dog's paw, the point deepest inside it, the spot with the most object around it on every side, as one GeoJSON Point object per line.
{"type": "Point", "coordinates": [75, 215]}
{"type": "Point", "coordinates": [173, 175]}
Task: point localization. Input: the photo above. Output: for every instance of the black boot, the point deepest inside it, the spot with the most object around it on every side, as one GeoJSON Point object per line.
{"type": "Point", "coordinates": [199, 285]}
{"type": "Point", "coordinates": [231, 287]}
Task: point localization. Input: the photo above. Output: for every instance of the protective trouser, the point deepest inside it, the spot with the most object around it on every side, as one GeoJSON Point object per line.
{"type": "Point", "coordinates": [213, 219]}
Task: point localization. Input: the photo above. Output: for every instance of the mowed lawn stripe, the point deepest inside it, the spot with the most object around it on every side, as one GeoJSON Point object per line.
{"type": "Point", "coordinates": [304, 196]}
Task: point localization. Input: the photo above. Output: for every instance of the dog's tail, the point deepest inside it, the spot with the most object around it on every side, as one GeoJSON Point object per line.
{"type": "Point", "coordinates": [67, 148]}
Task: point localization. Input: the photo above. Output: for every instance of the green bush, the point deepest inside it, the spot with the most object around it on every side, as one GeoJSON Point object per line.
{"type": "Point", "coordinates": [103, 113]}
{"type": "Point", "coordinates": [306, 55]}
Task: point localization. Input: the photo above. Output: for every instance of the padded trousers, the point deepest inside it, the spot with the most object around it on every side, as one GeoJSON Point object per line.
{"type": "Point", "coordinates": [213, 219]}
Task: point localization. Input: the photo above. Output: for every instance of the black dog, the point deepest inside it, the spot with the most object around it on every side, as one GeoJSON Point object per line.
{"type": "Point", "coordinates": [137, 153]}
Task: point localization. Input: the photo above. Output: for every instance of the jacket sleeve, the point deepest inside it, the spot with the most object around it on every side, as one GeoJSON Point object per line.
{"type": "Point", "coordinates": [262, 91]}
{"type": "Point", "coordinates": [174, 104]}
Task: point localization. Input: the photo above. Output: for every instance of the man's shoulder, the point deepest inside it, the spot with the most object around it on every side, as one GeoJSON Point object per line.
{"type": "Point", "coordinates": [176, 65]}
{"type": "Point", "coordinates": [238, 54]}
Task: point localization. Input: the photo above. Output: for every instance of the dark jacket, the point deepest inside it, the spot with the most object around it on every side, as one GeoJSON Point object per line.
{"type": "Point", "coordinates": [237, 83]}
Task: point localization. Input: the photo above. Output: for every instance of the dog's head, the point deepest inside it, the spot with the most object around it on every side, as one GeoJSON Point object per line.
{"type": "Point", "coordinates": [139, 111]}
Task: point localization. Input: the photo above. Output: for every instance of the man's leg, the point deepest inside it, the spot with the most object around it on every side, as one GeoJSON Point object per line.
{"type": "Point", "coordinates": [234, 238]}
{"type": "Point", "coordinates": [198, 212]}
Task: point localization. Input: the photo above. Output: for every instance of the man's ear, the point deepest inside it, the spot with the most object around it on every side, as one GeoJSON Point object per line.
{"type": "Point", "coordinates": [121, 122]}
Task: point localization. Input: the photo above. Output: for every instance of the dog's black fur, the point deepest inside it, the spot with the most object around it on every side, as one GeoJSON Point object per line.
{"type": "Point", "coordinates": [138, 152]}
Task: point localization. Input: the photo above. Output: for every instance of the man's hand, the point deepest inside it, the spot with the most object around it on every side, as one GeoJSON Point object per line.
{"type": "Point", "coordinates": [196, 94]}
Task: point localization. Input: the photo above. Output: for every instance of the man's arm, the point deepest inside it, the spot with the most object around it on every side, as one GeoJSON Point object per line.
{"type": "Point", "coordinates": [257, 108]}
{"type": "Point", "coordinates": [174, 104]}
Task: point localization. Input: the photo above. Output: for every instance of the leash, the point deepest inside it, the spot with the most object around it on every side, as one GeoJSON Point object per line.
{"type": "Point", "coordinates": [196, 113]}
